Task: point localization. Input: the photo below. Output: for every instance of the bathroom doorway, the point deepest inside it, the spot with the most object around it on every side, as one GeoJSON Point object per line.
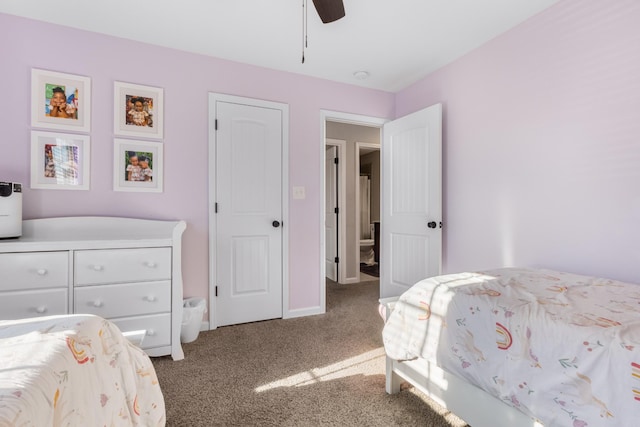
{"type": "Point", "coordinates": [368, 209]}
{"type": "Point", "coordinates": [357, 139]}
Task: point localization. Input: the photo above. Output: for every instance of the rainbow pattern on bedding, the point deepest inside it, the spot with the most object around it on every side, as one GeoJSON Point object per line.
{"type": "Point", "coordinates": [75, 370]}
{"type": "Point", "coordinates": [635, 373]}
{"type": "Point", "coordinates": [562, 348]}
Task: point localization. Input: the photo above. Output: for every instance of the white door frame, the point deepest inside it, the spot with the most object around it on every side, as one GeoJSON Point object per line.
{"type": "Point", "coordinates": [213, 98]}
{"type": "Point", "coordinates": [358, 209]}
{"type": "Point", "coordinates": [341, 146]}
{"type": "Point", "coordinates": [335, 116]}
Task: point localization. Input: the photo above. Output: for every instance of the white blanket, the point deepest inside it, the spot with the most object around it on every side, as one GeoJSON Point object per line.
{"type": "Point", "coordinates": [75, 370]}
{"type": "Point", "coordinates": [562, 348]}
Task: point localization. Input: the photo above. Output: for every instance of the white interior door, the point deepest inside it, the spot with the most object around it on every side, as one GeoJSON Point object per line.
{"type": "Point", "coordinates": [248, 198]}
{"type": "Point", "coordinates": [331, 214]}
{"type": "Point", "coordinates": [411, 234]}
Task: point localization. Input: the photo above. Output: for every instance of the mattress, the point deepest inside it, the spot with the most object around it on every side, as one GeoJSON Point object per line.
{"type": "Point", "coordinates": [562, 348]}
{"type": "Point", "coordinates": [75, 370]}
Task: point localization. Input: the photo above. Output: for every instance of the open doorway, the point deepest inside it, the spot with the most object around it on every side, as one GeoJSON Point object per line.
{"type": "Point", "coordinates": [368, 209]}
{"type": "Point", "coordinates": [411, 181]}
{"type": "Point", "coordinates": [359, 133]}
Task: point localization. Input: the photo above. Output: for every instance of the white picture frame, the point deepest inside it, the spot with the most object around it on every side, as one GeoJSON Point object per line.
{"type": "Point", "coordinates": [60, 161]}
{"type": "Point", "coordinates": [48, 112]}
{"type": "Point", "coordinates": [139, 175]}
{"type": "Point", "coordinates": [138, 110]}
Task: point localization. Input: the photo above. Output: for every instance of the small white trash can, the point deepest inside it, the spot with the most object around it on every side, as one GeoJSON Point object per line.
{"type": "Point", "coordinates": [192, 311]}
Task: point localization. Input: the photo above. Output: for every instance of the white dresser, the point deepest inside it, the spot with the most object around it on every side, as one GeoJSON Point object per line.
{"type": "Point", "coordinates": [125, 270]}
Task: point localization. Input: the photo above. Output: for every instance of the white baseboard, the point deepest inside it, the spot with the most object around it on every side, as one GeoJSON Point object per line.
{"type": "Point", "coordinates": [204, 326]}
{"type": "Point", "coordinates": [312, 311]}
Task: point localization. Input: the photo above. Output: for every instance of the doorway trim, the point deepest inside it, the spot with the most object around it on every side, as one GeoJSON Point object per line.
{"type": "Point", "coordinates": [284, 108]}
{"type": "Point", "coordinates": [349, 118]}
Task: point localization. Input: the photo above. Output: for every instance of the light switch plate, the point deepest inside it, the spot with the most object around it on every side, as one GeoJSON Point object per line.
{"type": "Point", "coordinates": [299, 193]}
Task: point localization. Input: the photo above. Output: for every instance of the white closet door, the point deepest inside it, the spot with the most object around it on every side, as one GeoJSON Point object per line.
{"type": "Point", "coordinates": [249, 213]}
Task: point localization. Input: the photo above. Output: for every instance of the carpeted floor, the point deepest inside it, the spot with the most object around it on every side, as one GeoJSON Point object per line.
{"type": "Point", "coordinates": [317, 370]}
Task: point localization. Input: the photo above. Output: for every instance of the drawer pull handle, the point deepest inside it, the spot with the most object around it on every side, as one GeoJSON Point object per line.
{"type": "Point", "coordinates": [98, 303]}
{"type": "Point", "coordinates": [151, 264]}
{"type": "Point", "coordinates": [151, 333]}
{"type": "Point", "coordinates": [42, 271]}
{"type": "Point", "coordinates": [151, 298]}
{"type": "Point", "coordinates": [41, 310]}
{"type": "Point", "coordinates": [97, 267]}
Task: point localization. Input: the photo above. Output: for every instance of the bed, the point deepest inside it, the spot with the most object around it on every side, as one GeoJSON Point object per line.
{"type": "Point", "coordinates": [520, 347]}
{"type": "Point", "coordinates": [75, 370]}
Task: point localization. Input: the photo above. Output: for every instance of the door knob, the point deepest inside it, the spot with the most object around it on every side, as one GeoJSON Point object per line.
{"type": "Point", "coordinates": [276, 224]}
{"type": "Point", "coordinates": [432, 224]}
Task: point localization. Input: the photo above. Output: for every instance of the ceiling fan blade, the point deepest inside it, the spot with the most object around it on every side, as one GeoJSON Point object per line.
{"type": "Point", "coordinates": [329, 10]}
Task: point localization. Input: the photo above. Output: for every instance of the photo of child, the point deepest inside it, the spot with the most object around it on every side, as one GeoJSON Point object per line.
{"type": "Point", "coordinates": [58, 103]}
{"type": "Point", "coordinates": [139, 166]}
{"type": "Point", "coordinates": [139, 111]}
{"type": "Point", "coordinates": [61, 163]}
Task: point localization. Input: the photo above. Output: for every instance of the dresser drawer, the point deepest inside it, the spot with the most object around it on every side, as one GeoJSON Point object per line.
{"type": "Point", "coordinates": [125, 299]}
{"type": "Point", "coordinates": [34, 270]}
{"type": "Point", "coordinates": [22, 304]}
{"type": "Point", "coordinates": [157, 326]}
{"type": "Point", "coordinates": [122, 265]}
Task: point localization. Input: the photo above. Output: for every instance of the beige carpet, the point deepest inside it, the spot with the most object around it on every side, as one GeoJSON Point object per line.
{"type": "Point", "coordinates": [318, 370]}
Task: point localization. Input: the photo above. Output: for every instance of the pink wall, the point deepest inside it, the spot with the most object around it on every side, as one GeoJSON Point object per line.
{"type": "Point", "coordinates": [542, 143]}
{"type": "Point", "coordinates": [187, 79]}
{"type": "Point", "coordinates": [541, 140]}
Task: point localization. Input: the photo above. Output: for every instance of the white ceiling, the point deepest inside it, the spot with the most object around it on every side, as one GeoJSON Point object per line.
{"type": "Point", "coordinates": [396, 41]}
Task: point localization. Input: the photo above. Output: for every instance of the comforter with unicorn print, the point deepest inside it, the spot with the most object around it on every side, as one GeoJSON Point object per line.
{"type": "Point", "coordinates": [562, 348]}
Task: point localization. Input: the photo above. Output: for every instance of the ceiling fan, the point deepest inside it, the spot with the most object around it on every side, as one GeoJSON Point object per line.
{"type": "Point", "coordinates": [328, 10]}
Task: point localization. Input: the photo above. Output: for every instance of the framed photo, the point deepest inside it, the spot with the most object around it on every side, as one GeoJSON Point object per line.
{"type": "Point", "coordinates": [60, 161]}
{"type": "Point", "coordinates": [138, 110]}
{"type": "Point", "coordinates": [60, 101]}
{"type": "Point", "coordinates": [137, 165]}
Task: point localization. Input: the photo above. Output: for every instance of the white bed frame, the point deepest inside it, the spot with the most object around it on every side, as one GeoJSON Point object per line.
{"type": "Point", "coordinates": [474, 405]}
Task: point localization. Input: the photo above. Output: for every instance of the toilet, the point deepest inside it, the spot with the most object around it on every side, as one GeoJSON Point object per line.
{"type": "Point", "coordinates": [367, 255]}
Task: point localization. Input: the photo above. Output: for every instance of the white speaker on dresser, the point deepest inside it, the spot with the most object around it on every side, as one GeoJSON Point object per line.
{"type": "Point", "coordinates": [10, 209]}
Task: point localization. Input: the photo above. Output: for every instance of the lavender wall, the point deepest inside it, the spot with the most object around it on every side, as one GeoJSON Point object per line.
{"type": "Point", "coordinates": [186, 79]}
{"type": "Point", "coordinates": [542, 143]}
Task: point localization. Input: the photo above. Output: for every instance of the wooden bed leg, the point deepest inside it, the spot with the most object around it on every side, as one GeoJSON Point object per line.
{"type": "Point", "coordinates": [392, 379]}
